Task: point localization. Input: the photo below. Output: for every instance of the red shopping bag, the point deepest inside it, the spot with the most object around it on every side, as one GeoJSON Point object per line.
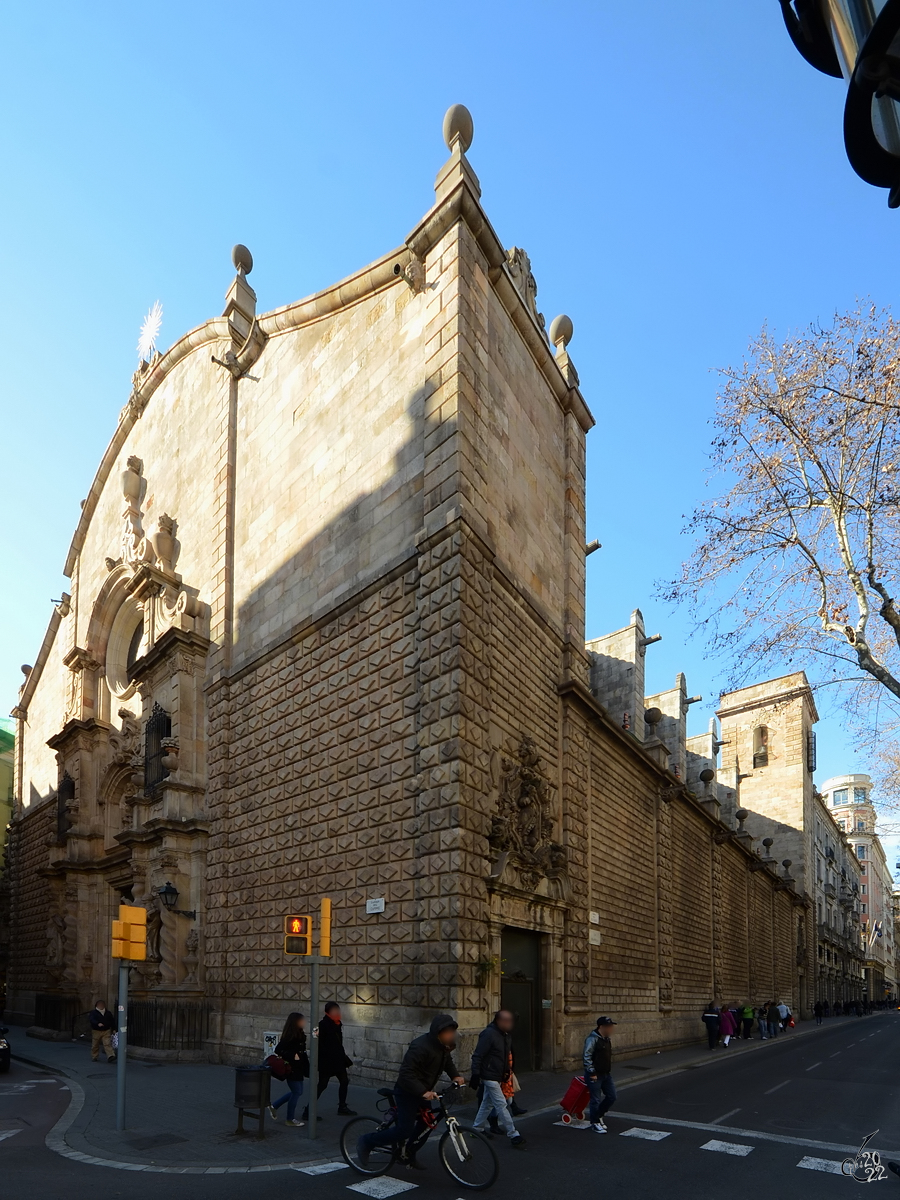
{"type": "Point", "coordinates": [575, 1101]}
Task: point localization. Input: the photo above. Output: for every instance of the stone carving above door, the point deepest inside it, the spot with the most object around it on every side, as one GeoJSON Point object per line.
{"type": "Point", "coordinates": [522, 827]}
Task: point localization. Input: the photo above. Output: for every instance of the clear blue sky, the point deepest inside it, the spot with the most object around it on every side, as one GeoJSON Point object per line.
{"type": "Point", "coordinates": [675, 171]}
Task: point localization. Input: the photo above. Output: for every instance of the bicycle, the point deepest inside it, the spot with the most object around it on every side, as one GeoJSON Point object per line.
{"type": "Point", "coordinates": [466, 1155]}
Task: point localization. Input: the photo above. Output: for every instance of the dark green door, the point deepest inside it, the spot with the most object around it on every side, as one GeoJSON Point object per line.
{"type": "Point", "coordinates": [520, 992]}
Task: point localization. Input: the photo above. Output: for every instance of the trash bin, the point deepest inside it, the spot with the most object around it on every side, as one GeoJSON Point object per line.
{"type": "Point", "coordinates": [251, 1087]}
{"type": "Point", "coordinates": [251, 1095]}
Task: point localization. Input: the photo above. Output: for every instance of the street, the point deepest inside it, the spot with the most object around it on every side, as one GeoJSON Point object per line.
{"type": "Point", "coordinates": [774, 1122]}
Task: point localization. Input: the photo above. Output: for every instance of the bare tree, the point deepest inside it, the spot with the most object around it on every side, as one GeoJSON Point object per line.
{"type": "Point", "coordinates": [796, 554]}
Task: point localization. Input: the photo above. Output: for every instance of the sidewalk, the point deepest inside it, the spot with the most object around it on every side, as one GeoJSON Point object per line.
{"type": "Point", "coordinates": [180, 1117]}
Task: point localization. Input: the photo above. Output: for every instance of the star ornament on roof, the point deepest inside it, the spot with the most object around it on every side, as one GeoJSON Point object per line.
{"type": "Point", "coordinates": [149, 333]}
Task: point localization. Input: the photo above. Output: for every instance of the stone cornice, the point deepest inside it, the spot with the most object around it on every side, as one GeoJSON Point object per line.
{"type": "Point", "coordinates": [800, 690]}
{"type": "Point", "coordinates": [74, 729]}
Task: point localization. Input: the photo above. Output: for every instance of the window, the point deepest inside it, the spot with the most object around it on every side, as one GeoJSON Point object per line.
{"type": "Point", "coordinates": [158, 727]}
{"type": "Point", "coordinates": [811, 759]}
{"type": "Point", "coordinates": [859, 795]}
{"type": "Point", "coordinates": [860, 852]}
{"type": "Point", "coordinates": [864, 908]}
{"type": "Point", "coordinates": [839, 797]}
{"type": "Point", "coordinates": [860, 825]}
{"type": "Point", "coordinates": [134, 647]}
{"type": "Point", "coordinates": [863, 889]}
{"type": "Point", "coordinates": [842, 825]}
{"type": "Point", "coordinates": [760, 746]}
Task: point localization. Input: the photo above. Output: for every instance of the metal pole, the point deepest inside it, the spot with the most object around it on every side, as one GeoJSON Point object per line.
{"type": "Point", "coordinates": [313, 1045]}
{"type": "Point", "coordinates": [122, 1049]}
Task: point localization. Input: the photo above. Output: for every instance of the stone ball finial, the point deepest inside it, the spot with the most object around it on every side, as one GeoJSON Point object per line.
{"type": "Point", "coordinates": [242, 259]}
{"type": "Point", "coordinates": [26, 669]}
{"type": "Point", "coordinates": [786, 863]}
{"type": "Point", "coordinates": [458, 123]}
{"type": "Point", "coordinates": [741, 814]}
{"type": "Point", "coordinates": [707, 776]}
{"type": "Point", "coordinates": [767, 842]}
{"type": "Point", "coordinates": [561, 330]}
{"type": "Point", "coordinates": [653, 716]}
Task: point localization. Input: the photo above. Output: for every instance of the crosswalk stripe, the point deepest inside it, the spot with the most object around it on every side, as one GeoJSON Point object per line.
{"type": "Point", "coordinates": [651, 1135]}
{"type": "Point", "coordinates": [381, 1187]}
{"type": "Point", "coordinates": [321, 1169]}
{"type": "Point", "coordinates": [831, 1165]}
{"type": "Point", "coordinates": [5, 1133]}
{"type": "Point", "coordinates": [728, 1148]}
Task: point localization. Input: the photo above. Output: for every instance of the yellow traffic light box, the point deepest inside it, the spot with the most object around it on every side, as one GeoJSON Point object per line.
{"type": "Point", "coordinates": [298, 935]}
{"type": "Point", "coordinates": [325, 928]}
{"type": "Point", "coordinates": [129, 933]}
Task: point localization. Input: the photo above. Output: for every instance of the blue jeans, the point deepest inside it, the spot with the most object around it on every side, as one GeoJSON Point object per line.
{"type": "Point", "coordinates": [291, 1098]}
{"type": "Point", "coordinates": [774, 1028]}
{"type": "Point", "coordinates": [495, 1102]}
{"type": "Point", "coordinates": [603, 1095]}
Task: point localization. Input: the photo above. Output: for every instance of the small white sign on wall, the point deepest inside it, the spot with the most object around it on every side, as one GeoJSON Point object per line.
{"type": "Point", "coordinates": [595, 918]}
{"type": "Point", "coordinates": [270, 1041]}
{"type": "Point", "coordinates": [376, 905]}
{"type": "Point", "coordinates": [594, 937]}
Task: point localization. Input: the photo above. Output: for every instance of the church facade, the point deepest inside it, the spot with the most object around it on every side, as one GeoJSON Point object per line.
{"type": "Point", "coordinates": [325, 637]}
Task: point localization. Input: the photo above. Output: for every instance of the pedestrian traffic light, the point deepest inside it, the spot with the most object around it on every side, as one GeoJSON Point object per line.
{"type": "Point", "coordinates": [298, 935]}
{"type": "Point", "coordinates": [325, 928]}
{"type": "Point", "coordinates": [129, 933]}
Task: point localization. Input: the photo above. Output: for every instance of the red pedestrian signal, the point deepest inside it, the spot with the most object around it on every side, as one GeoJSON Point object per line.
{"type": "Point", "coordinates": [298, 935]}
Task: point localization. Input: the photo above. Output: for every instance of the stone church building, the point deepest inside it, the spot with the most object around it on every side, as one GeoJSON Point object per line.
{"type": "Point", "coordinates": [325, 637]}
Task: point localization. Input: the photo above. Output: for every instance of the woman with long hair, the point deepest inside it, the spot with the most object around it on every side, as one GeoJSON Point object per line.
{"type": "Point", "coordinates": [292, 1048]}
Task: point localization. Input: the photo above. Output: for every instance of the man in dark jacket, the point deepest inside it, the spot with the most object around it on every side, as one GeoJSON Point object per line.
{"type": "Point", "coordinates": [492, 1065]}
{"type": "Point", "coordinates": [597, 1059]}
{"type": "Point", "coordinates": [102, 1023]}
{"type": "Point", "coordinates": [333, 1061]}
{"type": "Point", "coordinates": [427, 1058]}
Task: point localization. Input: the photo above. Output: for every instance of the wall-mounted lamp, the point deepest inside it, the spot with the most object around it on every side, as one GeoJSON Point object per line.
{"type": "Point", "coordinates": [169, 897]}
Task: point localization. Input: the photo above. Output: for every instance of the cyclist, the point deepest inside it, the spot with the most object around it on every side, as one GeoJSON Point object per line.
{"type": "Point", "coordinates": [427, 1058]}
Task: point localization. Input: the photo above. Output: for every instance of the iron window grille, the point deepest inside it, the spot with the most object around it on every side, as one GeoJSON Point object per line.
{"type": "Point", "coordinates": [158, 728]}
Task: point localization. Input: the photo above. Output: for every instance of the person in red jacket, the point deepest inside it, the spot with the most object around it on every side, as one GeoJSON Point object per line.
{"type": "Point", "coordinates": [727, 1024]}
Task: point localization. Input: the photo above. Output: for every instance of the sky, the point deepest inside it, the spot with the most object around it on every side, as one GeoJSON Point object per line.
{"type": "Point", "coordinates": [675, 171]}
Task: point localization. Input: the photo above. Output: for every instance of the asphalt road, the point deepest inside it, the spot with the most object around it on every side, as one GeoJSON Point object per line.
{"type": "Point", "coordinates": [730, 1131]}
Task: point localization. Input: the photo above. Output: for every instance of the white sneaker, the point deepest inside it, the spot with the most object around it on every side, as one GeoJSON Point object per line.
{"type": "Point", "coordinates": [296, 1124]}
{"type": "Point", "coordinates": [599, 1127]}
{"type": "Point", "coordinates": [272, 1111]}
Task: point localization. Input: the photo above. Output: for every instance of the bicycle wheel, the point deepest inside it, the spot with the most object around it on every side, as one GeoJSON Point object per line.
{"type": "Point", "coordinates": [469, 1158]}
{"type": "Point", "coordinates": [381, 1158]}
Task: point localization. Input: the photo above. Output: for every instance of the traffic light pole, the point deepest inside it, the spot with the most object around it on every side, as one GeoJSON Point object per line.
{"type": "Point", "coordinates": [313, 1044]}
{"type": "Point", "coordinates": [122, 1049]}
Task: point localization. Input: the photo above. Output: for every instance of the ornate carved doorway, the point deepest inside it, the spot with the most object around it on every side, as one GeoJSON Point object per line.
{"type": "Point", "coordinates": [520, 991]}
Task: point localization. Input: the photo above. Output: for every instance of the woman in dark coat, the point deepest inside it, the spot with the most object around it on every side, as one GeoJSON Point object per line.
{"type": "Point", "coordinates": [333, 1060]}
{"type": "Point", "coordinates": [711, 1021]}
{"type": "Point", "coordinates": [292, 1048]}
